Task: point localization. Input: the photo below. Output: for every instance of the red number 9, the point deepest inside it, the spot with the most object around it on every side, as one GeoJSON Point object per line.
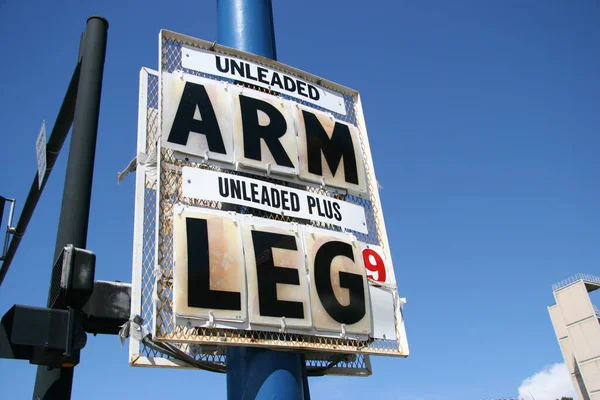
{"type": "Point", "coordinates": [374, 263]}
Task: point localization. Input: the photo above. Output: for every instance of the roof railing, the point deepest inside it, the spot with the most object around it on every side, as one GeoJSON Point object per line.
{"type": "Point", "coordinates": [577, 277]}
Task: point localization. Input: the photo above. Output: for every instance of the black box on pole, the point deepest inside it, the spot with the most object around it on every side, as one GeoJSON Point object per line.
{"type": "Point", "coordinates": [72, 278]}
{"type": "Point", "coordinates": [43, 336]}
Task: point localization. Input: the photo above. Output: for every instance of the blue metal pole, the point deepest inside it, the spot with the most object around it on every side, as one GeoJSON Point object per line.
{"type": "Point", "coordinates": [247, 25]}
{"type": "Point", "coordinates": [253, 373]}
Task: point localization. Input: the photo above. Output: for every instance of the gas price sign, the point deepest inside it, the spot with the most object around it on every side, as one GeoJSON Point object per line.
{"type": "Point", "coordinates": [269, 224]}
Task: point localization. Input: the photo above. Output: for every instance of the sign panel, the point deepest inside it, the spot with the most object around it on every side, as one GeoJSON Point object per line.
{"type": "Point", "coordinates": [209, 278]}
{"type": "Point", "coordinates": [277, 279]}
{"type": "Point", "coordinates": [379, 269]}
{"type": "Point", "coordinates": [204, 184]}
{"type": "Point", "coordinates": [196, 115]}
{"type": "Point", "coordinates": [264, 133]}
{"type": "Point", "coordinates": [40, 152]}
{"type": "Point", "coordinates": [339, 287]}
{"type": "Point", "coordinates": [330, 152]}
{"type": "Point", "coordinates": [382, 304]}
{"type": "Point", "coordinates": [260, 75]}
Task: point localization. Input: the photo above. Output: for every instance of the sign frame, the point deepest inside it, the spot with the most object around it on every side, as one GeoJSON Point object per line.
{"type": "Point", "coordinates": [170, 60]}
{"type": "Point", "coordinates": [399, 347]}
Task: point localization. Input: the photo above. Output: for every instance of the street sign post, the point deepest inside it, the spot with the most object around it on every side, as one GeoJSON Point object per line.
{"type": "Point", "coordinates": [40, 153]}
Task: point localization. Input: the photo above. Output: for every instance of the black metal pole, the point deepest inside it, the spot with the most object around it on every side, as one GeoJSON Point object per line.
{"type": "Point", "coordinates": [75, 209]}
{"type": "Point", "coordinates": [55, 141]}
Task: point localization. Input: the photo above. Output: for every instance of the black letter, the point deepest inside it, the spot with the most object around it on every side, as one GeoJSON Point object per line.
{"type": "Point", "coordinates": [235, 189]}
{"type": "Point", "coordinates": [289, 83]}
{"type": "Point", "coordinates": [301, 88]}
{"type": "Point", "coordinates": [269, 275]}
{"type": "Point", "coordinates": [262, 75]}
{"type": "Point", "coordinates": [313, 93]}
{"type": "Point", "coordinates": [265, 197]}
{"type": "Point", "coordinates": [333, 149]}
{"type": "Point", "coordinates": [252, 131]}
{"type": "Point", "coordinates": [193, 96]}
{"type": "Point", "coordinates": [223, 187]}
{"type": "Point", "coordinates": [248, 73]}
{"type": "Point", "coordinates": [244, 194]}
{"type": "Point", "coordinates": [311, 203]}
{"type": "Point", "coordinates": [319, 208]}
{"type": "Point", "coordinates": [254, 190]}
{"type": "Point", "coordinates": [275, 198]}
{"type": "Point", "coordinates": [199, 291]}
{"type": "Point", "coordinates": [276, 80]}
{"type": "Point", "coordinates": [284, 200]}
{"type": "Point", "coordinates": [328, 209]}
{"type": "Point", "coordinates": [219, 67]}
{"type": "Point", "coordinates": [295, 201]}
{"type": "Point", "coordinates": [356, 309]}
{"type": "Point", "coordinates": [239, 68]}
{"type": "Point", "coordinates": [337, 213]}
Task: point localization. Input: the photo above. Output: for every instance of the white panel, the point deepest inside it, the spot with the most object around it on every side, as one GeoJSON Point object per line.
{"type": "Point", "coordinates": [574, 303]}
{"type": "Point", "coordinates": [234, 189]}
{"type": "Point", "coordinates": [260, 75]}
{"type": "Point", "coordinates": [557, 322]}
{"type": "Point", "coordinates": [382, 304]}
{"type": "Point", "coordinates": [591, 375]}
{"type": "Point", "coordinates": [379, 268]}
{"type": "Point", "coordinates": [314, 239]}
{"type": "Point", "coordinates": [282, 258]}
{"type": "Point", "coordinates": [138, 224]}
{"type": "Point", "coordinates": [328, 177]}
{"type": "Point", "coordinates": [226, 263]}
{"type": "Point", "coordinates": [288, 140]}
{"type": "Point", "coordinates": [567, 352]}
{"type": "Point", "coordinates": [172, 89]}
{"type": "Point", "coordinates": [585, 339]}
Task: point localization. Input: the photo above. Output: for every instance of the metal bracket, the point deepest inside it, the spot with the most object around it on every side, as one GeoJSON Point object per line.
{"type": "Point", "coordinates": [10, 230]}
{"type": "Point", "coordinates": [343, 334]}
{"type": "Point", "coordinates": [70, 322]}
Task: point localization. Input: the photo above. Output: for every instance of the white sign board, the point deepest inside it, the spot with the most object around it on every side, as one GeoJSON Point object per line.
{"type": "Point", "coordinates": [40, 153]}
{"type": "Point", "coordinates": [264, 225]}
{"type": "Point", "coordinates": [210, 278]}
{"type": "Point", "coordinates": [204, 184]}
{"type": "Point", "coordinates": [260, 75]}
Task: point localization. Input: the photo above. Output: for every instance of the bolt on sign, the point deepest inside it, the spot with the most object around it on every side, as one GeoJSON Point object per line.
{"type": "Point", "coordinates": [265, 226]}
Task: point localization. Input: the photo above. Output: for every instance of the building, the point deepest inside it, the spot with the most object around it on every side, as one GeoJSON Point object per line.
{"type": "Point", "coordinates": [576, 322]}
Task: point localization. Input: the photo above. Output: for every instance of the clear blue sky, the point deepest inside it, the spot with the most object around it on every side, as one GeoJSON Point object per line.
{"type": "Point", "coordinates": [485, 128]}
